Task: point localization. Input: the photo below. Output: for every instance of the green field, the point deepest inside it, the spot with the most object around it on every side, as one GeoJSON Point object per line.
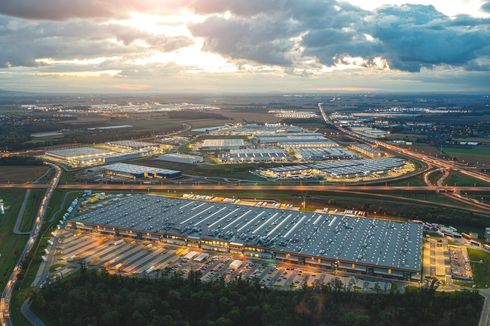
{"type": "Point", "coordinates": [459, 179]}
{"type": "Point", "coordinates": [11, 245]}
{"type": "Point", "coordinates": [481, 271]}
{"type": "Point", "coordinates": [481, 150]}
{"type": "Point", "coordinates": [21, 174]}
{"type": "Point", "coordinates": [54, 212]}
{"type": "Point", "coordinates": [31, 209]}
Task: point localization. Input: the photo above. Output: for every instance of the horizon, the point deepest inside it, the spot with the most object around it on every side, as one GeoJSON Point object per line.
{"type": "Point", "coordinates": [236, 47]}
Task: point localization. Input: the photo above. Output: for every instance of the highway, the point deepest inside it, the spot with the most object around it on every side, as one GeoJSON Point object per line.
{"type": "Point", "coordinates": [442, 166]}
{"type": "Point", "coordinates": [249, 187]}
{"type": "Point", "coordinates": [7, 292]}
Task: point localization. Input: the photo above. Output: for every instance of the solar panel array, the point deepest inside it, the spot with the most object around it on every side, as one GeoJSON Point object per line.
{"type": "Point", "coordinates": [389, 244]}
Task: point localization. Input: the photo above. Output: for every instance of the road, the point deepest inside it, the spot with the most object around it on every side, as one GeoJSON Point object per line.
{"type": "Point", "coordinates": [443, 166]}
{"type": "Point", "coordinates": [252, 187]}
{"type": "Point", "coordinates": [8, 291]}
{"type": "Point", "coordinates": [485, 314]}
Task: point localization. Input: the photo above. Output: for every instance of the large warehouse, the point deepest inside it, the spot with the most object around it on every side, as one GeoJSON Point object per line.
{"type": "Point", "coordinates": [132, 171]}
{"type": "Point", "coordinates": [222, 144]}
{"type": "Point", "coordinates": [254, 155]}
{"type": "Point", "coordinates": [331, 242]}
{"type": "Point", "coordinates": [337, 169]}
{"type": "Point", "coordinates": [79, 156]}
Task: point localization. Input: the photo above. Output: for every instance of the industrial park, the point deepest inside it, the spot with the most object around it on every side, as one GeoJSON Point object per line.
{"type": "Point", "coordinates": [245, 163]}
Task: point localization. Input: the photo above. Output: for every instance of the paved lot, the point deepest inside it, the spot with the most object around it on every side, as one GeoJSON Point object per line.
{"type": "Point", "coordinates": [139, 258]}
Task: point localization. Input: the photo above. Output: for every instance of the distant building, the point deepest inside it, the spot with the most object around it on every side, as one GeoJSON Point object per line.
{"type": "Point", "coordinates": [254, 155]}
{"type": "Point", "coordinates": [133, 145]}
{"type": "Point", "coordinates": [132, 171]}
{"type": "Point", "coordinates": [487, 234]}
{"type": "Point", "coordinates": [367, 150]}
{"type": "Point", "coordinates": [222, 144]}
{"type": "Point", "coordinates": [181, 158]}
{"type": "Point", "coordinates": [90, 156]}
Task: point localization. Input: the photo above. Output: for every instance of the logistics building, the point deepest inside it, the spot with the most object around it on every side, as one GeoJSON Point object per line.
{"type": "Point", "coordinates": [80, 156]}
{"type": "Point", "coordinates": [254, 155]}
{"type": "Point", "coordinates": [222, 144]}
{"type": "Point", "coordinates": [132, 171]}
{"type": "Point", "coordinates": [336, 169]}
{"type": "Point", "coordinates": [320, 154]}
{"type": "Point", "coordinates": [181, 158]}
{"type": "Point", "coordinates": [368, 150]}
{"type": "Point", "coordinates": [252, 129]}
{"type": "Point", "coordinates": [89, 156]}
{"type": "Point", "coordinates": [330, 242]}
{"type": "Point", "coordinates": [133, 145]}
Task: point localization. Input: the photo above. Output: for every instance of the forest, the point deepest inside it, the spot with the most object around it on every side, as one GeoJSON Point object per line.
{"type": "Point", "coordinates": [94, 298]}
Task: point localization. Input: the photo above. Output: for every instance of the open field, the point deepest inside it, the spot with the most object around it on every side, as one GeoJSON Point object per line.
{"type": "Point", "coordinates": [459, 179]}
{"type": "Point", "coordinates": [53, 214]}
{"type": "Point", "coordinates": [473, 155]}
{"type": "Point", "coordinates": [20, 174]}
{"type": "Point", "coordinates": [31, 209]}
{"type": "Point", "coordinates": [10, 244]}
{"type": "Point", "coordinates": [481, 270]}
{"type": "Point", "coordinates": [238, 171]}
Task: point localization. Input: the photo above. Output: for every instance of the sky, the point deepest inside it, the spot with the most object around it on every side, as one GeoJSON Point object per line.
{"type": "Point", "coordinates": [245, 46]}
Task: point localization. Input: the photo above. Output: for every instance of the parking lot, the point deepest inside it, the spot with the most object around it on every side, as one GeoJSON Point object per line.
{"type": "Point", "coordinates": [139, 258]}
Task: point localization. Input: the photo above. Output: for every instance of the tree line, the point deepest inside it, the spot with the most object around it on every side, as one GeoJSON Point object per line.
{"type": "Point", "coordinates": [95, 298]}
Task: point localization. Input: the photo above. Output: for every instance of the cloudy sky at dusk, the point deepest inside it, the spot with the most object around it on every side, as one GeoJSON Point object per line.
{"type": "Point", "coordinates": [249, 46]}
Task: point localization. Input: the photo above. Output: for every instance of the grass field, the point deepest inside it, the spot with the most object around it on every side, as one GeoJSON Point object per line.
{"type": "Point", "coordinates": [459, 179]}
{"type": "Point", "coordinates": [481, 271]}
{"type": "Point", "coordinates": [53, 214]}
{"type": "Point", "coordinates": [238, 171]}
{"type": "Point", "coordinates": [21, 174]}
{"type": "Point", "coordinates": [473, 155]}
{"type": "Point", "coordinates": [31, 209]}
{"type": "Point", "coordinates": [10, 245]}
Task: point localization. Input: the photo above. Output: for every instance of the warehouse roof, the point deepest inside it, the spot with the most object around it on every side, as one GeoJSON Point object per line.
{"type": "Point", "coordinates": [223, 142]}
{"type": "Point", "coordinates": [136, 169]}
{"type": "Point", "coordinates": [131, 144]}
{"type": "Point", "coordinates": [383, 243]}
{"type": "Point", "coordinates": [78, 151]}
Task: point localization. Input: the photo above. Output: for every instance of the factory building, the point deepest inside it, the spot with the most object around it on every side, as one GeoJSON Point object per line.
{"type": "Point", "coordinates": [255, 155]}
{"type": "Point", "coordinates": [222, 144]}
{"type": "Point", "coordinates": [368, 150]}
{"type": "Point", "coordinates": [326, 241]}
{"type": "Point", "coordinates": [181, 158]}
{"type": "Point", "coordinates": [133, 172]}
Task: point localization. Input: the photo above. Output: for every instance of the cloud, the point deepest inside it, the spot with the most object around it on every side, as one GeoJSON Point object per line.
{"type": "Point", "coordinates": [23, 42]}
{"type": "Point", "coordinates": [66, 9]}
{"type": "Point", "coordinates": [486, 6]}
